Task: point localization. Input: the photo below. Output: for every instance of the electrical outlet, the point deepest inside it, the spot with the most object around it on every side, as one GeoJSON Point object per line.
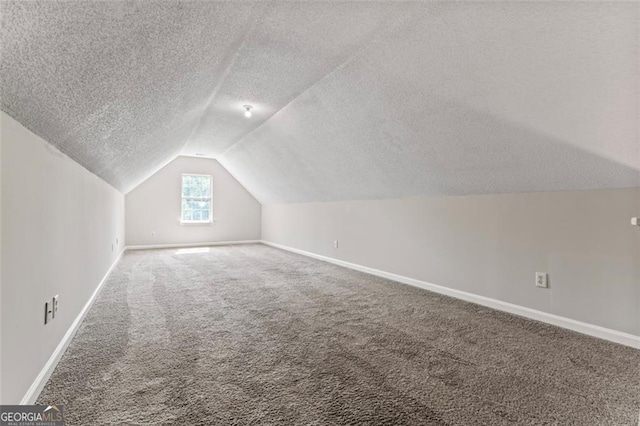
{"type": "Point", "coordinates": [335, 244]}
{"type": "Point", "coordinates": [153, 233]}
{"type": "Point", "coordinates": [54, 306]}
{"type": "Point", "coordinates": [542, 280]}
{"type": "Point", "coordinates": [47, 313]}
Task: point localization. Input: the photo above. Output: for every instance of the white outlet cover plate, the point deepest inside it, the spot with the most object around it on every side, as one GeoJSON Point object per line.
{"type": "Point", "coordinates": [541, 280]}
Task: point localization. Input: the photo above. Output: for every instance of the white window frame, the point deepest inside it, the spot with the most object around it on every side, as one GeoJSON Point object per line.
{"type": "Point", "coordinates": [210, 198]}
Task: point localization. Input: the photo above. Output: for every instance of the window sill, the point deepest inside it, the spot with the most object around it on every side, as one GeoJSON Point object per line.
{"type": "Point", "coordinates": [196, 223]}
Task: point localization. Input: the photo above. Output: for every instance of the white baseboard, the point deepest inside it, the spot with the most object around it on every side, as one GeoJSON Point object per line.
{"type": "Point", "coordinates": [581, 327]}
{"type": "Point", "coordinates": [42, 378]}
{"type": "Point", "coordinates": [205, 244]}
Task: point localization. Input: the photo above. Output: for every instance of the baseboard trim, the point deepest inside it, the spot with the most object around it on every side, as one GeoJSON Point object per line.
{"type": "Point", "coordinates": [205, 244]}
{"type": "Point", "coordinates": [568, 323]}
{"type": "Point", "coordinates": [36, 387]}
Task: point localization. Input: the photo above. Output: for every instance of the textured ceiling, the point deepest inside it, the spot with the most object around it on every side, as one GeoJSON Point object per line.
{"type": "Point", "coordinates": [352, 100]}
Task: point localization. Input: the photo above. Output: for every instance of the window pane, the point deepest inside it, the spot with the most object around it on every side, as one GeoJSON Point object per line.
{"type": "Point", "coordinates": [186, 186]}
{"type": "Point", "coordinates": [196, 186]}
{"type": "Point", "coordinates": [206, 186]}
{"type": "Point", "coordinates": [186, 212]}
{"type": "Point", "coordinates": [196, 210]}
{"type": "Point", "coordinates": [186, 215]}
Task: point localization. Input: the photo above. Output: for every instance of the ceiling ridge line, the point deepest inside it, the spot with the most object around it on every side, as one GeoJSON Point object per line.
{"type": "Point", "coordinates": [359, 50]}
{"type": "Point", "coordinates": [225, 73]}
{"type": "Point", "coordinates": [257, 13]}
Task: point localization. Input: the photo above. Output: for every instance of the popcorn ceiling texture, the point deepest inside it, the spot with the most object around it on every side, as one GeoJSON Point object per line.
{"type": "Point", "coordinates": [245, 335]}
{"type": "Point", "coordinates": [353, 100]}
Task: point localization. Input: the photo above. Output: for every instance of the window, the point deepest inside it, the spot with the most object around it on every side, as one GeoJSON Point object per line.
{"type": "Point", "coordinates": [196, 199]}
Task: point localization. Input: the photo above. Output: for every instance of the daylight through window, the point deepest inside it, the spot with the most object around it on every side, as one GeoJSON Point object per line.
{"type": "Point", "coordinates": [196, 199]}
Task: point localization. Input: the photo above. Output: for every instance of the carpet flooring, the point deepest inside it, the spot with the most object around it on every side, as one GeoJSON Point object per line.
{"type": "Point", "coordinates": [255, 335]}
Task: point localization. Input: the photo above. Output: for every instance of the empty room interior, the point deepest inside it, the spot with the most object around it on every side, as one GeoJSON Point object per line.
{"type": "Point", "coordinates": [320, 213]}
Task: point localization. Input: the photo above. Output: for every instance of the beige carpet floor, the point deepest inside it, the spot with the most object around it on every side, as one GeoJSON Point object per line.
{"type": "Point", "coordinates": [254, 335]}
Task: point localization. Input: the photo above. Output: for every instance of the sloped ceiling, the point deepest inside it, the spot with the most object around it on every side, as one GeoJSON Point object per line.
{"type": "Point", "coordinates": [351, 100]}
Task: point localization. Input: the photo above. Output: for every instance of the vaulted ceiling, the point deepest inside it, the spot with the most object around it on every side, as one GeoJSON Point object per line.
{"type": "Point", "coordinates": [352, 100]}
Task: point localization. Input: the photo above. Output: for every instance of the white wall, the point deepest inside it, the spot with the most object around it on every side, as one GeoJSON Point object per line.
{"type": "Point", "coordinates": [1, 322]}
{"type": "Point", "coordinates": [489, 245]}
{"type": "Point", "coordinates": [58, 225]}
{"type": "Point", "coordinates": [236, 213]}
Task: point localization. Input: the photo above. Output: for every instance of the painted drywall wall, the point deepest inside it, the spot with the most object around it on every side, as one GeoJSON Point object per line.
{"type": "Point", "coordinates": [236, 213]}
{"type": "Point", "coordinates": [489, 245]}
{"type": "Point", "coordinates": [59, 223]}
{"type": "Point", "coordinates": [1, 363]}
